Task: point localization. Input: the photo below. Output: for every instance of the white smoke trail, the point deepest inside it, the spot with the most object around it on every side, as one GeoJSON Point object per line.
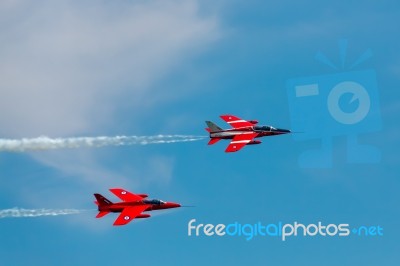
{"type": "Point", "coordinates": [19, 212]}
{"type": "Point", "coordinates": [46, 143]}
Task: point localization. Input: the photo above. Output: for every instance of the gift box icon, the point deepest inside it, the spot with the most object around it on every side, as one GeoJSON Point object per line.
{"type": "Point", "coordinates": [345, 103]}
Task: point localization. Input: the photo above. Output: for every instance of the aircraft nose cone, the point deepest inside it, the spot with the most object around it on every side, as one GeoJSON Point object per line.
{"type": "Point", "coordinates": [174, 205]}
{"type": "Point", "coordinates": [284, 131]}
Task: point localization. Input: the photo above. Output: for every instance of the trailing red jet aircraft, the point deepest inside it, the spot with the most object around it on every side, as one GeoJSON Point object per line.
{"type": "Point", "coordinates": [131, 207]}
{"type": "Point", "coordinates": [243, 132]}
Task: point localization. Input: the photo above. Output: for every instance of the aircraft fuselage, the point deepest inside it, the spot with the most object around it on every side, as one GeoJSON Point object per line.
{"type": "Point", "coordinates": [231, 133]}
{"type": "Point", "coordinates": [119, 206]}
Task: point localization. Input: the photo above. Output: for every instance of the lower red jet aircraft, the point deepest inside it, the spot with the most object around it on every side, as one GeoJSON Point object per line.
{"type": "Point", "coordinates": [131, 207]}
{"type": "Point", "coordinates": [243, 132]}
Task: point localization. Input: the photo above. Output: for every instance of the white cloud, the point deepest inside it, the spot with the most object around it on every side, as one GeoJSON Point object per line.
{"type": "Point", "coordinates": [68, 66]}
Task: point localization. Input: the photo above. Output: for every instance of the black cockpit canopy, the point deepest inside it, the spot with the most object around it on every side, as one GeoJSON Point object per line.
{"type": "Point", "coordinates": [153, 201]}
{"type": "Point", "coordinates": [263, 128]}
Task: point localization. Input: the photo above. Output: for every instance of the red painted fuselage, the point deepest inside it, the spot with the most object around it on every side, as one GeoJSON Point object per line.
{"type": "Point", "coordinates": [131, 207]}
{"type": "Point", "coordinates": [120, 206]}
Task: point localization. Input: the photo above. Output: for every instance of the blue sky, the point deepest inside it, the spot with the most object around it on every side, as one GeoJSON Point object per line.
{"type": "Point", "coordinates": [164, 67]}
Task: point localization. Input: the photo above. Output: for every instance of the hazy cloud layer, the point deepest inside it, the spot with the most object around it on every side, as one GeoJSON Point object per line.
{"type": "Point", "coordinates": [67, 66]}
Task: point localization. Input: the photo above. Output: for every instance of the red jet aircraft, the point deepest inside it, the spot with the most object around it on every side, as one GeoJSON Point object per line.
{"type": "Point", "coordinates": [243, 132]}
{"type": "Point", "coordinates": [131, 207]}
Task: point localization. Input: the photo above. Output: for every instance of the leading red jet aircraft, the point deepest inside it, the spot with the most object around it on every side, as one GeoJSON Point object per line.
{"type": "Point", "coordinates": [131, 207]}
{"type": "Point", "coordinates": [243, 132]}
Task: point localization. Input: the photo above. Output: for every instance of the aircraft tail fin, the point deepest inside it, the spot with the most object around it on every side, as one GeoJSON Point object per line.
{"type": "Point", "coordinates": [101, 200]}
{"type": "Point", "coordinates": [212, 127]}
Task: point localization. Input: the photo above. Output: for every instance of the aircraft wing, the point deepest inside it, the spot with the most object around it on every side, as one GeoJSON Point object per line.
{"type": "Point", "coordinates": [125, 195]}
{"type": "Point", "coordinates": [235, 121]}
{"type": "Point", "coordinates": [129, 213]}
{"type": "Point", "coordinates": [239, 141]}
